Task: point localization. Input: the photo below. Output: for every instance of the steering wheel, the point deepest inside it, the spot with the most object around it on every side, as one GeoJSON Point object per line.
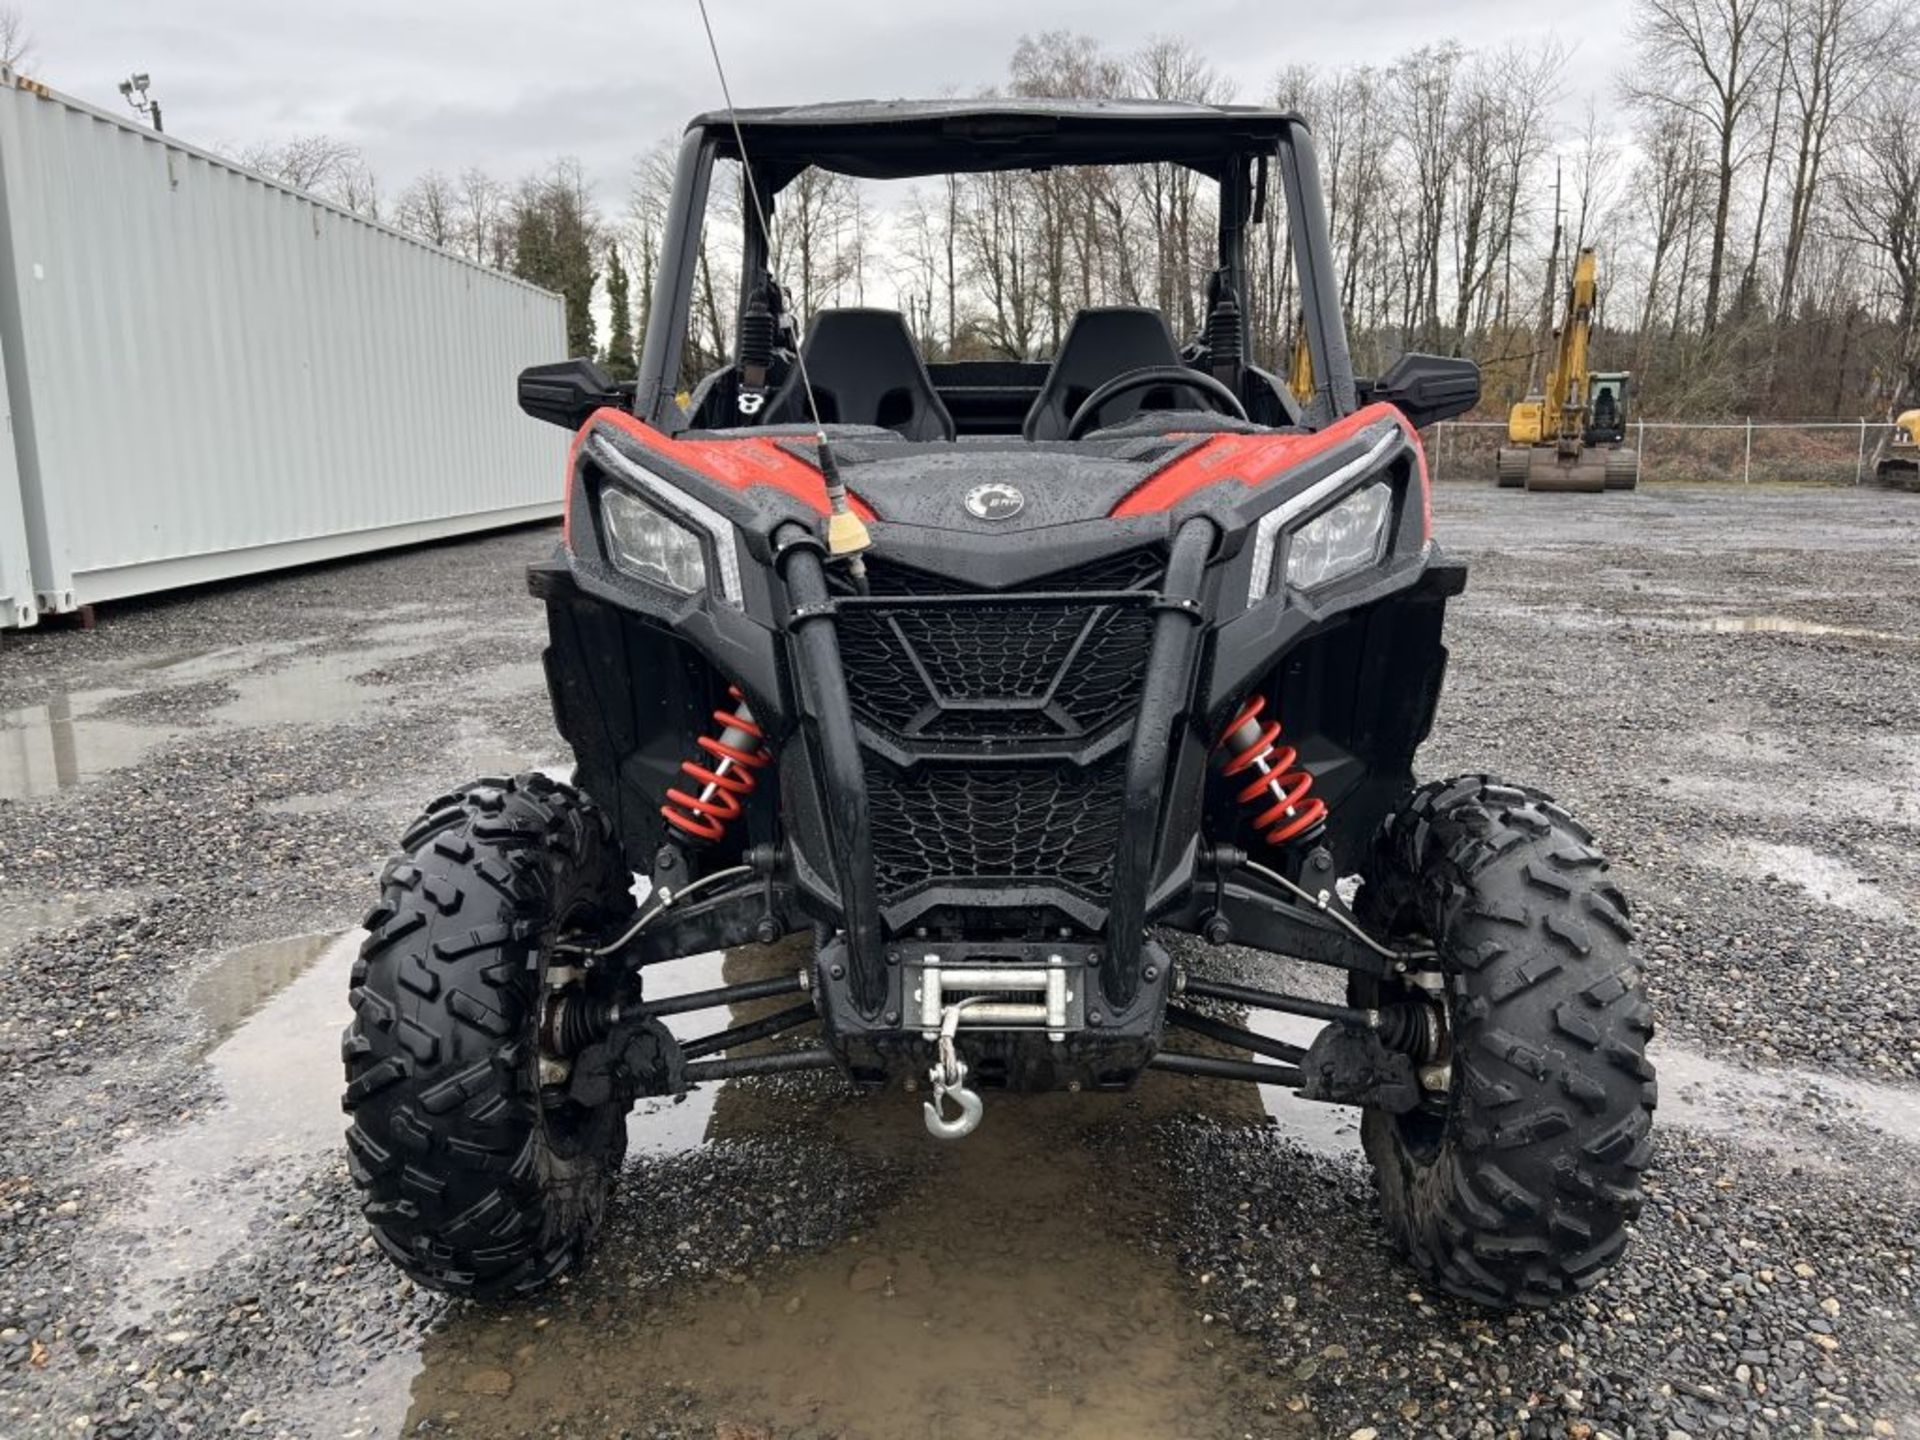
{"type": "Point", "coordinates": [1218, 396]}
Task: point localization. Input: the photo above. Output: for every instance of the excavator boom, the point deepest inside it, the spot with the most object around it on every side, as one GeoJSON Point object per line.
{"type": "Point", "coordinates": [1567, 384]}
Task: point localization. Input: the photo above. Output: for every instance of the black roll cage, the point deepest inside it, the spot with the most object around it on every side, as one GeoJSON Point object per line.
{"type": "Point", "coordinates": [1231, 145]}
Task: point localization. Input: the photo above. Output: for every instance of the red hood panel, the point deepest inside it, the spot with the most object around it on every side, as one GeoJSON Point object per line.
{"type": "Point", "coordinates": [1253, 460]}
{"type": "Point", "coordinates": [738, 464]}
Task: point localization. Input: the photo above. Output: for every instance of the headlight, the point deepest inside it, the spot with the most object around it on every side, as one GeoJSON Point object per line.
{"type": "Point", "coordinates": [646, 543]}
{"type": "Point", "coordinates": [660, 533]}
{"type": "Point", "coordinates": [1347, 538]}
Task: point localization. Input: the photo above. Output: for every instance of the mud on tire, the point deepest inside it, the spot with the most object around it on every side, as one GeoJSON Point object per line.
{"type": "Point", "coordinates": [1521, 1191]}
{"type": "Point", "coordinates": [472, 1185]}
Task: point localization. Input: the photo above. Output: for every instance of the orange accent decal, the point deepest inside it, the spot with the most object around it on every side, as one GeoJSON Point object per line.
{"type": "Point", "coordinates": [1255, 459]}
{"type": "Point", "coordinates": [741, 464]}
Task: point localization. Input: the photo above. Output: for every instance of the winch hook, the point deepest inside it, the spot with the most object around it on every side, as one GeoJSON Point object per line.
{"type": "Point", "coordinates": [949, 1077]}
{"type": "Point", "coordinates": [963, 1124]}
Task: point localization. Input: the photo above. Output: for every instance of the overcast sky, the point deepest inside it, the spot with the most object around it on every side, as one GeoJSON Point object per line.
{"type": "Point", "coordinates": [509, 86]}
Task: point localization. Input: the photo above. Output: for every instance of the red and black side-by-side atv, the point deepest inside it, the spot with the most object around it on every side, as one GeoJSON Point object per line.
{"type": "Point", "coordinates": [975, 672]}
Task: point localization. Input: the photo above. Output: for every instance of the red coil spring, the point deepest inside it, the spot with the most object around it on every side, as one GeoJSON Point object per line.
{"type": "Point", "coordinates": [1275, 777]}
{"type": "Point", "coordinates": [737, 752]}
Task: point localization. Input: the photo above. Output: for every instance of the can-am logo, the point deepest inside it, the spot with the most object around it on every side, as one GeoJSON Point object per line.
{"type": "Point", "coordinates": [995, 502]}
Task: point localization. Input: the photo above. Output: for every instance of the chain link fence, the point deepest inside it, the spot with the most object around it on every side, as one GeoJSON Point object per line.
{"type": "Point", "coordinates": [1749, 452]}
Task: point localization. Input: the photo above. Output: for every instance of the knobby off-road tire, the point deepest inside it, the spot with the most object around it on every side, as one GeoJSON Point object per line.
{"type": "Point", "coordinates": [472, 1185]}
{"type": "Point", "coordinates": [1520, 1192]}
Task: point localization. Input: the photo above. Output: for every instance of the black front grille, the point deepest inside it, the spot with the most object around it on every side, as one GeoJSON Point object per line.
{"type": "Point", "coordinates": [1009, 667]}
{"type": "Point", "coordinates": [1055, 826]}
{"type": "Point", "coordinates": [1127, 570]}
{"type": "Point", "coordinates": [953, 676]}
{"type": "Point", "coordinates": [999, 670]}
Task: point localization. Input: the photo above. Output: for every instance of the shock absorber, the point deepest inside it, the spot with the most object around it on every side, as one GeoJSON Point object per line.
{"type": "Point", "coordinates": [1273, 774]}
{"type": "Point", "coordinates": [734, 754]}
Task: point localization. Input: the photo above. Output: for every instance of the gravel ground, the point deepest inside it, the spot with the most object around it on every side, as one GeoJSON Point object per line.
{"type": "Point", "coordinates": [197, 794]}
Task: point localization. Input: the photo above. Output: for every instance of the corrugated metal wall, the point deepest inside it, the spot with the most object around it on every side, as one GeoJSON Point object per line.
{"type": "Point", "coordinates": [16, 577]}
{"type": "Point", "coordinates": [211, 374]}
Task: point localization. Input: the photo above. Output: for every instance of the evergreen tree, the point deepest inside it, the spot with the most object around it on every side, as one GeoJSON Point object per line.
{"type": "Point", "coordinates": [554, 233]}
{"type": "Point", "coordinates": [619, 356]}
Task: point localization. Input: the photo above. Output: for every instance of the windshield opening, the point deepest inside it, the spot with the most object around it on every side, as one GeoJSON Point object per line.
{"type": "Point", "coordinates": [946, 305]}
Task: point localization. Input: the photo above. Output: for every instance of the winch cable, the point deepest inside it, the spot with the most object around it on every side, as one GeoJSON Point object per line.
{"type": "Point", "coordinates": [846, 532]}
{"type": "Point", "coordinates": [665, 899]}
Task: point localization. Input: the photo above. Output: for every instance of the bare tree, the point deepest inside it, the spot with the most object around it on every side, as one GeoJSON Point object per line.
{"type": "Point", "coordinates": [1532, 81]}
{"type": "Point", "coordinates": [996, 242]}
{"type": "Point", "coordinates": [323, 165]}
{"type": "Point", "coordinates": [1831, 50]}
{"type": "Point", "coordinates": [1672, 157]}
{"type": "Point", "coordinates": [1425, 85]}
{"type": "Point", "coordinates": [818, 223]}
{"type": "Point", "coordinates": [429, 208]}
{"type": "Point", "coordinates": [477, 201]}
{"type": "Point", "coordinates": [1171, 199]}
{"type": "Point", "coordinates": [646, 226]}
{"type": "Point", "coordinates": [1593, 169]}
{"type": "Point", "coordinates": [16, 41]}
{"type": "Point", "coordinates": [1705, 58]}
{"type": "Point", "coordinates": [306, 162]}
{"type": "Point", "coordinates": [1476, 182]}
{"type": "Point", "coordinates": [1771, 93]}
{"type": "Point", "coordinates": [1879, 202]}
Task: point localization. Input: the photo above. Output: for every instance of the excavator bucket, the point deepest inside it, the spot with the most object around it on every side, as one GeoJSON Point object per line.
{"type": "Point", "coordinates": [1541, 467]}
{"type": "Point", "coordinates": [1546, 471]}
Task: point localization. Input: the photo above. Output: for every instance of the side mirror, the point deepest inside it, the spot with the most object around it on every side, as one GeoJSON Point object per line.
{"type": "Point", "coordinates": [1427, 388]}
{"type": "Point", "coordinates": [567, 392]}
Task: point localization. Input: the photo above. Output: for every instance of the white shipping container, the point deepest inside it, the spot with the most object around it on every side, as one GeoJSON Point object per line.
{"type": "Point", "coordinates": [211, 374]}
{"type": "Point", "coordinates": [16, 573]}
{"type": "Point", "coordinates": [16, 577]}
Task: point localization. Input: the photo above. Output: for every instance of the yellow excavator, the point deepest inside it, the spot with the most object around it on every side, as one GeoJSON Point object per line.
{"type": "Point", "coordinates": [1899, 463]}
{"type": "Point", "coordinates": [1572, 436]}
{"type": "Point", "coordinates": [1300, 371]}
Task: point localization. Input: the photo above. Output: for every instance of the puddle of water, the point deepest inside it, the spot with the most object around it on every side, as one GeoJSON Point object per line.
{"type": "Point", "coordinates": [45, 749]}
{"type": "Point", "coordinates": [516, 677]}
{"type": "Point", "coordinates": [401, 631]}
{"type": "Point", "coordinates": [230, 991]}
{"type": "Point", "coordinates": [1827, 879]}
{"type": "Point", "coordinates": [1582, 621]}
{"type": "Point", "coordinates": [672, 1125]}
{"type": "Point", "coordinates": [50, 748]}
{"type": "Point", "coordinates": [1323, 1129]}
{"type": "Point", "coordinates": [1747, 749]}
{"type": "Point", "coordinates": [1001, 1295]}
{"type": "Point", "coordinates": [1783, 625]}
{"type": "Point", "coordinates": [1004, 1293]}
{"type": "Point", "coordinates": [314, 690]}
{"type": "Point", "coordinates": [20, 918]}
{"type": "Point", "coordinates": [1770, 1108]}
{"type": "Point", "coordinates": [217, 663]}
{"type": "Point", "coordinates": [280, 1008]}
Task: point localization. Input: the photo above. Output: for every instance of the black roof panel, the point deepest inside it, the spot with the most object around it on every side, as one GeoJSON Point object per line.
{"type": "Point", "coordinates": [892, 139]}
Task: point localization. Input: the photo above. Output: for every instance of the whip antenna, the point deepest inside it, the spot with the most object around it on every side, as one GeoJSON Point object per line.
{"type": "Point", "coordinates": [846, 532]}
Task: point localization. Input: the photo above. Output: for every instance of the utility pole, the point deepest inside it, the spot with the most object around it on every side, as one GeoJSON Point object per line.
{"type": "Point", "coordinates": [1545, 341]}
{"type": "Point", "coordinates": [136, 85]}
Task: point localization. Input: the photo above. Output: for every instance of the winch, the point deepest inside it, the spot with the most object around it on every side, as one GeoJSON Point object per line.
{"type": "Point", "coordinates": [983, 995]}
